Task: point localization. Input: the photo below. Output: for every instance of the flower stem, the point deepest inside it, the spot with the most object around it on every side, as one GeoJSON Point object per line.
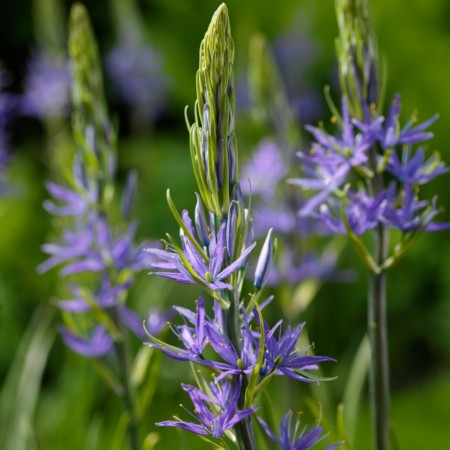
{"type": "Point", "coordinates": [377, 330]}
{"type": "Point", "coordinates": [123, 360]}
{"type": "Point", "coordinates": [244, 430]}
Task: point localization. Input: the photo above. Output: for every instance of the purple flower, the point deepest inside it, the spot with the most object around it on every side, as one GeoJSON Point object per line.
{"type": "Point", "coordinates": [413, 169]}
{"type": "Point", "coordinates": [279, 217]}
{"type": "Point", "coordinates": [47, 87]}
{"type": "Point", "coordinates": [292, 269]}
{"type": "Point", "coordinates": [91, 247]}
{"type": "Point", "coordinates": [234, 363]}
{"type": "Point", "coordinates": [137, 72]}
{"type": "Point", "coordinates": [216, 419]}
{"type": "Point", "coordinates": [331, 159]}
{"type": "Point", "coordinates": [105, 297]}
{"type": "Point", "coordinates": [292, 438]}
{"type": "Point", "coordinates": [157, 320]}
{"type": "Point", "coordinates": [413, 214]}
{"type": "Point", "coordinates": [392, 134]}
{"type": "Point", "coordinates": [362, 212]}
{"type": "Point", "coordinates": [73, 203]}
{"type": "Point", "coordinates": [282, 357]}
{"type": "Point", "coordinates": [98, 344]}
{"type": "Point", "coordinates": [193, 338]}
{"type": "Point", "coordinates": [189, 265]}
{"type": "Point", "coordinates": [264, 171]}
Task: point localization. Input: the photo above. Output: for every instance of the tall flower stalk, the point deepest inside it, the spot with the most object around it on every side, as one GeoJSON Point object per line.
{"type": "Point", "coordinates": [97, 255]}
{"type": "Point", "coordinates": [367, 178]}
{"type": "Point", "coordinates": [226, 333]}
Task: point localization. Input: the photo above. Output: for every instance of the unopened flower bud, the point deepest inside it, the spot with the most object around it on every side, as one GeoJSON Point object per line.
{"type": "Point", "coordinates": [264, 262]}
{"type": "Point", "coordinates": [200, 222]}
{"type": "Point", "coordinates": [233, 215]}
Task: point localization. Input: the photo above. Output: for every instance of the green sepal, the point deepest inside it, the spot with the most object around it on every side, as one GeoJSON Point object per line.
{"type": "Point", "coordinates": [254, 377]}
{"type": "Point", "coordinates": [313, 377]}
{"type": "Point", "coordinates": [186, 232]}
{"type": "Point", "coordinates": [334, 111]}
{"type": "Point", "coordinates": [263, 383]}
{"type": "Point", "coordinates": [160, 343]}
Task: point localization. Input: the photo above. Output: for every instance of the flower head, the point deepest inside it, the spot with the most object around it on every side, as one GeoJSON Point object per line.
{"type": "Point", "coordinates": [292, 438]}
{"type": "Point", "coordinates": [47, 87]}
{"type": "Point", "coordinates": [191, 265]}
{"type": "Point", "coordinates": [282, 356]}
{"type": "Point", "coordinates": [216, 411]}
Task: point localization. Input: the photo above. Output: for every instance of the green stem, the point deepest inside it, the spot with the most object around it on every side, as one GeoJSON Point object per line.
{"type": "Point", "coordinates": [244, 430]}
{"type": "Point", "coordinates": [377, 326]}
{"type": "Point", "coordinates": [377, 330]}
{"type": "Point", "coordinates": [123, 360]}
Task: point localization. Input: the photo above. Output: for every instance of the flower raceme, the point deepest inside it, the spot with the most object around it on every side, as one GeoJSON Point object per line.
{"type": "Point", "coordinates": [332, 161]}
{"type": "Point", "coordinates": [213, 253]}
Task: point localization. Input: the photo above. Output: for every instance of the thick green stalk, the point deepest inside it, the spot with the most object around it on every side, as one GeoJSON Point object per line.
{"type": "Point", "coordinates": [377, 328]}
{"type": "Point", "coordinates": [244, 430]}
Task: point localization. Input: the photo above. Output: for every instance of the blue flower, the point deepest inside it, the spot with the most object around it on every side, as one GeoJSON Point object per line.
{"type": "Point", "coordinates": [47, 87]}
{"type": "Point", "coordinates": [362, 212]}
{"type": "Point", "coordinates": [291, 438]}
{"type": "Point", "coordinates": [189, 265]}
{"type": "Point", "coordinates": [234, 363]}
{"type": "Point", "coordinates": [413, 214]}
{"type": "Point", "coordinates": [282, 356]}
{"type": "Point", "coordinates": [213, 420]}
{"type": "Point", "coordinates": [332, 158]}
{"type": "Point", "coordinates": [392, 134]}
{"type": "Point", "coordinates": [264, 171]}
{"type": "Point", "coordinates": [413, 169]}
{"type": "Point", "coordinates": [98, 344]}
{"type": "Point", "coordinates": [193, 338]}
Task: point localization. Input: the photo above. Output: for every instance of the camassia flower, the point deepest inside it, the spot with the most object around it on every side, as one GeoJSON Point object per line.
{"type": "Point", "coordinates": [47, 87]}
{"type": "Point", "coordinates": [193, 263]}
{"type": "Point", "coordinates": [412, 169]}
{"type": "Point", "coordinates": [282, 357]}
{"type": "Point", "coordinates": [331, 158]}
{"type": "Point", "coordinates": [92, 247]}
{"type": "Point", "coordinates": [294, 438]}
{"type": "Point", "coordinates": [392, 134]}
{"type": "Point", "coordinates": [216, 411]}
{"type": "Point", "coordinates": [98, 344]}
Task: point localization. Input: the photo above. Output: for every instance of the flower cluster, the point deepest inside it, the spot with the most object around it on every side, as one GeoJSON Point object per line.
{"type": "Point", "coordinates": [333, 160]}
{"type": "Point", "coordinates": [136, 71]}
{"type": "Point", "coordinates": [47, 87]}
{"type": "Point", "coordinates": [229, 337]}
{"type": "Point", "coordinates": [92, 250]}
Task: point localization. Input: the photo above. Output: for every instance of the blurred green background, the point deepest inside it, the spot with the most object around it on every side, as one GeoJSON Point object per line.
{"type": "Point", "coordinates": [72, 408]}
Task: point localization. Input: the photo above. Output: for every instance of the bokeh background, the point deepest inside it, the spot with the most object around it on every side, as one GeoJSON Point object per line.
{"type": "Point", "coordinates": [69, 407]}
